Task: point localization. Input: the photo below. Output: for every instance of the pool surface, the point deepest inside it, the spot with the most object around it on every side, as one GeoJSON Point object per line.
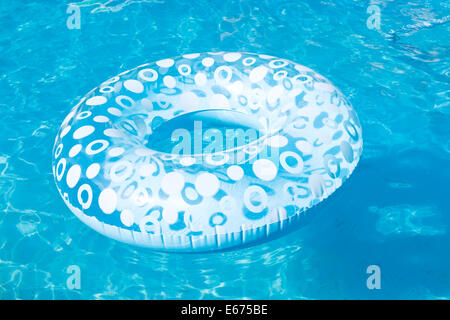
{"type": "Point", "coordinates": [393, 213]}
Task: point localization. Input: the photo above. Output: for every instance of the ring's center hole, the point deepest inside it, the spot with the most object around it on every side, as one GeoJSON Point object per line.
{"type": "Point", "coordinates": [205, 132]}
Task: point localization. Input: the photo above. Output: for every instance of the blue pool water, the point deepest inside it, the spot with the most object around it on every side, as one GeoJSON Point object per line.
{"type": "Point", "coordinates": [393, 212]}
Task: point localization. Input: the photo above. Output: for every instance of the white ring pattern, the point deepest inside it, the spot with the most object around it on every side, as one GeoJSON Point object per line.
{"type": "Point", "coordinates": [104, 169]}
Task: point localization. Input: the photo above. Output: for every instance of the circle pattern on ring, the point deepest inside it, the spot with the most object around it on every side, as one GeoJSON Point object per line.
{"type": "Point", "coordinates": [114, 183]}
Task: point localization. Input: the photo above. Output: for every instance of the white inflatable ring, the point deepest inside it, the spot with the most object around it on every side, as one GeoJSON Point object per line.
{"type": "Point", "coordinates": [112, 177]}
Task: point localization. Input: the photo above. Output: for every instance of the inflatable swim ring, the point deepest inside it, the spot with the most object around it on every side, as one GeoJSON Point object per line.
{"type": "Point", "coordinates": [122, 170]}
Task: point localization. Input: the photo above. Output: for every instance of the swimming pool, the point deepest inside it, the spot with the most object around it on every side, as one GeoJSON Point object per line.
{"type": "Point", "coordinates": [392, 213]}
